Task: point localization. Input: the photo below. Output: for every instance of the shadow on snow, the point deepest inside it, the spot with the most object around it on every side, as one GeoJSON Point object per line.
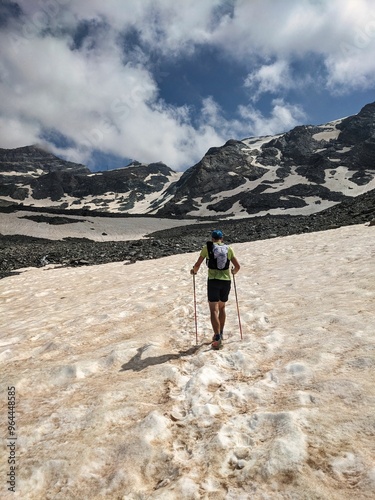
{"type": "Point", "coordinates": [137, 364]}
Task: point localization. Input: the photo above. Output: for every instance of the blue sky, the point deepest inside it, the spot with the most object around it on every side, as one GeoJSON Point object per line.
{"type": "Point", "coordinates": [102, 83]}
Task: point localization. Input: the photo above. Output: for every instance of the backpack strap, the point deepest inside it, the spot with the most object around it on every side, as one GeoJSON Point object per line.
{"type": "Point", "coordinates": [211, 259]}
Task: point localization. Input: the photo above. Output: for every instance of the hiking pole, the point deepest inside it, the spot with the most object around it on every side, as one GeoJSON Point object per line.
{"type": "Point", "coordinates": [195, 312]}
{"type": "Point", "coordinates": [238, 309]}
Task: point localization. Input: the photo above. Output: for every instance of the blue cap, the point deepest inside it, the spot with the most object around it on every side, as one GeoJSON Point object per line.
{"type": "Point", "coordinates": [217, 234]}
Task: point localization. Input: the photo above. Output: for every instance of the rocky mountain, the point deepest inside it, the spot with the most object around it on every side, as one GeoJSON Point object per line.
{"type": "Point", "coordinates": [21, 168]}
{"type": "Point", "coordinates": [35, 177]}
{"type": "Point", "coordinates": [300, 172]}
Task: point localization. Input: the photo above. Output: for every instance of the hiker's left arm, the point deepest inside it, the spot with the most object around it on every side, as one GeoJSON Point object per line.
{"type": "Point", "coordinates": [236, 265]}
{"type": "Point", "coordinates": [197, 265]}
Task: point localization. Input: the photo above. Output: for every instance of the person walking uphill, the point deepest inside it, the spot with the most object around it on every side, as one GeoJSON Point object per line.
{"type": "Point", "coordinates": [218, 257]}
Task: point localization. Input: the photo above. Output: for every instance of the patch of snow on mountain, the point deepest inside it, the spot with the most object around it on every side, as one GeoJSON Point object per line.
{"type": "Point", "coordinates": [327, 135]}
{"type": "Point", "coordinates": [293, 179]}
{"type": "Point", "coordinates": [257, 142]}
{"type": "Point", "coordinates": [344, 150]}
{"type": "Point", "coordinates": [13, 173]}
{"type": "Point", "coordinates": [143, 206]}
{"type": "Point", "coordinates": [314, 204]}
{"type": "Point", "coordinates": [338, 179]}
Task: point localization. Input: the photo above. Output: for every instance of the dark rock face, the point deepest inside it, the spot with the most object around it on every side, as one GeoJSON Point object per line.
{"type": "Point", "coordinates": [31, 170]}
{"type": "Point", "coordinates": [221, 169]}
{"type": "Point", "coordinates": [57, 184]}
{"type": "Point", "coordinates": [297, 145]}
{"type": "Point", "coordinates": [358, 128]}
{"type": "Point", "coordinates": [21, 167]}
{"type": "Point", "coordinates": [30, 159]}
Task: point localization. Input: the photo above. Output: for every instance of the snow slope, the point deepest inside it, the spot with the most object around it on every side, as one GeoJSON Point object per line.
{"type": "Point", "coordinates": [115, 400]}
{"type": "Point", "coordinates": [93, 228]}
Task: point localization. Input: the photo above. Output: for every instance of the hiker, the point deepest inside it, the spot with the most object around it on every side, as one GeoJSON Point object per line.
{"type": "Point", "coordinates": [218, 257]}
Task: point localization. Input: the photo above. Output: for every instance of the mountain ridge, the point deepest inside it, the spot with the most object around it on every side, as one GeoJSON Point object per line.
{"type": "Point", "coordinates": [299, 172]}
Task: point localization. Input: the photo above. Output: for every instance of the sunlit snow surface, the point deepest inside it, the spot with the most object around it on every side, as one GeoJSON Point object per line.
{"type": "Point", "coordinates": [93, 228]}
{"type": "Point", "coordinates": [114, 400]}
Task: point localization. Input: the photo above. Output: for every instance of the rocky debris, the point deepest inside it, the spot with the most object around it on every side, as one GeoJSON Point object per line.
{"type": "Point", "coordinates": [52, 220]}
{"type": "Point", "coordinates": [21, 251]}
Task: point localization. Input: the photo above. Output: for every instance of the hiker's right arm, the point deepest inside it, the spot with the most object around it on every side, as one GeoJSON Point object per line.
{"type": "Point", "coordinates": [197, 265]}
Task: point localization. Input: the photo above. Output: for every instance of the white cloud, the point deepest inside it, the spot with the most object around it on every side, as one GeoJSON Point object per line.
{"type": "Point", "coordinates": [284, 116]}
{"type": "Point", "coordinates": [93, 98]}
{"type": "Point", "coordinates": [269, 78]}
{"type": "Point", "coordinates": [341, 33]}
{"type": "Point", "coordinates": [15, 133]}
{"type": "Point", "coordinates": [91, 95]}
{"type": "Point", "coordinates": [102, 98]}
{"type": "Point", "coordinates": [356, 71]}
{"type": "Point", "coordinates": [352, 66]}
{"type": "Point", "coordinates": [168, 26]}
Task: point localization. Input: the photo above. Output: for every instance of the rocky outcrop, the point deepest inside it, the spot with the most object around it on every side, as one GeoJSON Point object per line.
{"type": "Point", "coordinates": [222, 169]}
{"type": "Point", "coordinates": [30, 173]}
{"type": "Point", "coordinates": [21, 167]}
{"type": "Point", "coordinates": [308, 167]}
{"type": "Point", "coordinates": [142, 179]}
{"type": "Point", "coordinates": [35, 160]}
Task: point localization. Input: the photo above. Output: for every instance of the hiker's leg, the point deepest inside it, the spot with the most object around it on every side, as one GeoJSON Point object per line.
{"type": "Point", "coordinates": [224, 294]}
{"type": "Point", "coordinates": [222, 315]}
{"type": "Point", "coordinates": [214, 311]}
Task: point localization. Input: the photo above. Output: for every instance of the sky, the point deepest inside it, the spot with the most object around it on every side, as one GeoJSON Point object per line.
{"type": "Point", "coordinates": [105, 83]}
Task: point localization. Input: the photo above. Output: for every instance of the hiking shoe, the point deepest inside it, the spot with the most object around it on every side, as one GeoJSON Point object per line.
{"type": "Point", "coordinates": [217, 341]}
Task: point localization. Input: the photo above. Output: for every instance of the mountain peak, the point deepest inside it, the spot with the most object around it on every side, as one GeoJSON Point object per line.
{"type": "Point", "coordinates": [299, 172]}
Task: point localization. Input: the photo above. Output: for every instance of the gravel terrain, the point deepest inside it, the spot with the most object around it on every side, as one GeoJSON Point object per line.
{"type": "Point", "coordinates": [18, 251]}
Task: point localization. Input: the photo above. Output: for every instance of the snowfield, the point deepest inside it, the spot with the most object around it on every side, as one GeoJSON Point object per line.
{"type": "Point", "coordinates": [115, 400]}
{"type": "Point", "coordinates": [93, 228]}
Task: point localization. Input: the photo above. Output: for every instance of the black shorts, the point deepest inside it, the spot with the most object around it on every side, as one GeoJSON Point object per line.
{"type": "Point", "coordinates": [218, 290]}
